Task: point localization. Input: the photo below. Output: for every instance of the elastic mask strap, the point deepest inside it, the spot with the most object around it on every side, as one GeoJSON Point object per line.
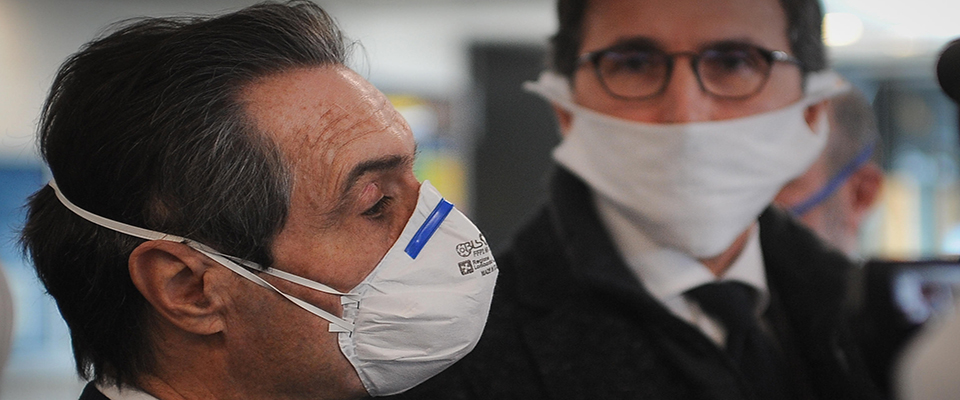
{"type": "Point", "coordinates": [308, 283]}
{"type": "Point", "coordinates": [337, 324]}
{"type": "Point", "coordinates": [111, 224]}
{"type": "Point", "coordinates": [831, 186]}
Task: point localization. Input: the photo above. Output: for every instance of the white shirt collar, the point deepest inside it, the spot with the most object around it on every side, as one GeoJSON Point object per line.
{"type": "Point", "coordinates": [126, 393]}
{"type": "Point", "coordinates": [667, 273]}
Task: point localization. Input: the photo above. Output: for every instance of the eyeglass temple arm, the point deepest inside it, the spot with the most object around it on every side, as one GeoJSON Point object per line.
{"type": "Point", "coordinates": [779, 55]}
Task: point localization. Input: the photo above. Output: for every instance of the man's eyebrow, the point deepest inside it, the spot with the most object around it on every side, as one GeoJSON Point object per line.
{"type": "Point", "coordinates": [386, 163]}
{"type": "Point", "coordinates": [738, 41]}
{"type": "Point", "coordinates": [633, 42]}
{"type": "Point", "coordinates": [646, 43]}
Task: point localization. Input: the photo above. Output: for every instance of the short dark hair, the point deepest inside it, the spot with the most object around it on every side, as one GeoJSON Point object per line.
{"type": "Point", "coordinates": [146, 126]}
{"type": "Point", "coordinates": [804, 31]}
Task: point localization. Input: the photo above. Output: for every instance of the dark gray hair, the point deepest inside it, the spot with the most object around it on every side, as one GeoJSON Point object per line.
{"type": "Point", "coordinates": [145, 126]}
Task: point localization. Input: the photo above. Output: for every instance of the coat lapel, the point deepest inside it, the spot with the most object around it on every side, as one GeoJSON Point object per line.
{"type": "Point", "coordinates": [601, 331]}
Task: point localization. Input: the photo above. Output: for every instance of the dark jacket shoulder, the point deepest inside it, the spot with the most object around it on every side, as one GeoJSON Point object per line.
{"type": "Point", "coordinates": [90, 392]}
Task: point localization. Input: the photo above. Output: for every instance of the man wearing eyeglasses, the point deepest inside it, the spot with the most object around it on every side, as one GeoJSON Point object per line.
{"type": "Point", "coordinates": [656, 270]}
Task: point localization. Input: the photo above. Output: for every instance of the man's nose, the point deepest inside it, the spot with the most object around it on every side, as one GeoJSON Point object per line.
{"type": "Point", "coordinates": [683, 100]}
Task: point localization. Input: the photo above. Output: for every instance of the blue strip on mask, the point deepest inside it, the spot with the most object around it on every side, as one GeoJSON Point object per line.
{"type": "Point", "coordinates": [834, 183]}
{"type": "Point", "coordinates": [429, 226]}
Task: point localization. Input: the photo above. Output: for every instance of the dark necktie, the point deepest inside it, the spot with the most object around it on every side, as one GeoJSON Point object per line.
{"type": "Point", "coordinates": [756, 356]}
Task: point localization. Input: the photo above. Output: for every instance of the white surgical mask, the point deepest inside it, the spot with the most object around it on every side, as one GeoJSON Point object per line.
{"type": "Point", "coordinates": [693, 187]}
{"type": "Point", "coordinates": [422, 308]}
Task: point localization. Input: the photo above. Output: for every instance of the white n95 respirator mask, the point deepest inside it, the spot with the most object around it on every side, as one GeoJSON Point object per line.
{"type": "Point", "coordinates": [693, 187]}
{"type": "Point", "coordinates": [421, 309]}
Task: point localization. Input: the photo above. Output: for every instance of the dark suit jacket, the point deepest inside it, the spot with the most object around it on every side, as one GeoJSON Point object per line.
{"type": "Point", "coordinates": [90, 392]}
{"type": "Point", "coordinates": [570, 320]}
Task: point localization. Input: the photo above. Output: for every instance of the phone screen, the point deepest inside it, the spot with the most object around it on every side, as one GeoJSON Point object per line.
{"type": "Point", "coordinates": [896, 299]}
{"type": "Point", "coordinates": [913, 292]}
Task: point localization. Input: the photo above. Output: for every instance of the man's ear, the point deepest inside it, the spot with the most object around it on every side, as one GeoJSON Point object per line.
{"type": "Point", "coordinates": [814, 113]}
{"type": "Point", "coordinates": [175, 279]}
{"type": "Point", "coordinates": [564, 119]}
{"type": "Point", "coordinates": [867, 181]}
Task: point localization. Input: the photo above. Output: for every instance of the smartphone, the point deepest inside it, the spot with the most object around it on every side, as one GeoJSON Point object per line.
{"type": "Point", "coordinates": [911, 292]}
{"type": "Point", "coordinates": [895, 299]}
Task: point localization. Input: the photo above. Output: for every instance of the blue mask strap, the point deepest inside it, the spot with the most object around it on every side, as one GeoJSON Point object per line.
{"type": "Point", "coordinates": [828, 189]}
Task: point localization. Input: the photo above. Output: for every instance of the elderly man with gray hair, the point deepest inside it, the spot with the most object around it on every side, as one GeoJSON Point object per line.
{"type": "Point", "coordinates": [234, 215]}
{"type": "Point", "coordinates": [837, 192]}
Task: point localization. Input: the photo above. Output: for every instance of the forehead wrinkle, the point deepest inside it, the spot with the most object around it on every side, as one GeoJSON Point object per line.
{"type": "Point", "coordinates": [369, 116]}
{"type": "Point", "coordinates": [314, 154]}
{"type": "Point", "coordinates": [325, 136]}
{"type": "Point", "coordinates": [375, 118]}
{"type": "Point", "coordinates": [340, 118]}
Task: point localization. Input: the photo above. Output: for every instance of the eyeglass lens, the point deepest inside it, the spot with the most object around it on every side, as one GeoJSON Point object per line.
{"type": "Point", "coordinates": [728, 71]}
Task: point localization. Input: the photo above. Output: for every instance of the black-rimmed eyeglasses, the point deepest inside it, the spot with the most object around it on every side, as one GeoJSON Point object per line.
{"type": "Point", "coordinates": [727, 70]}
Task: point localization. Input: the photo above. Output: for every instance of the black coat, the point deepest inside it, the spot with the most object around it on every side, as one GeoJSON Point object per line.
{"type": "Point", "coordinates": [570, 320]}
{"type": "Point", "coordinates": [90, 392]}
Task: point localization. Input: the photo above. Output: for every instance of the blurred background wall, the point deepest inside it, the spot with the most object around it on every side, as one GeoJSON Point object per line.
{"type": "Point", "coordinates": [454, 68]}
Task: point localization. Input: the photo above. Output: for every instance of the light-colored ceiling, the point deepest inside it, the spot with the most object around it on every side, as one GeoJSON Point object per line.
{"type": "Point", "coordinates": [416, 45]}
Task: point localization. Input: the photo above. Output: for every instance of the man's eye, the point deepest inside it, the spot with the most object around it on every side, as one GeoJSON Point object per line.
{"type": "Point", "coordinates": [732, 61]}
{"type": "Point", "coordinates": [379, 207]}
{"type": "Point", "coordinates": [631, 63]}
